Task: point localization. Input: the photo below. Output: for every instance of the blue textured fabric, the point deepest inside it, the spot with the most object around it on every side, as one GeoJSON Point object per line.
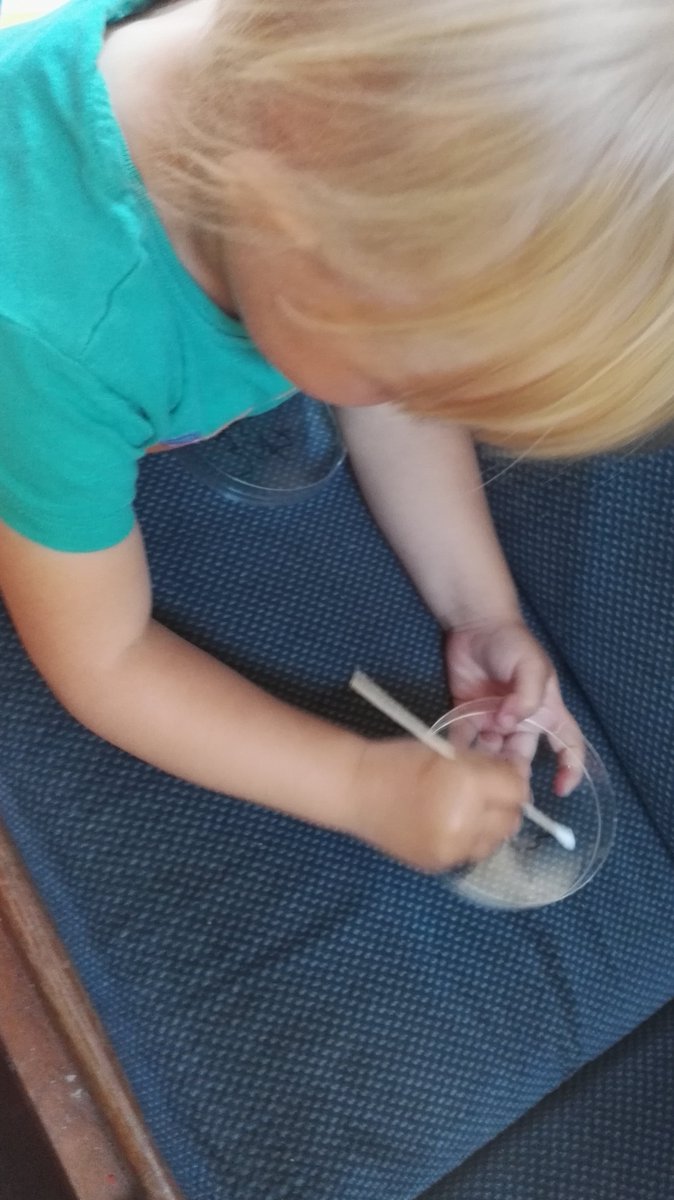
{"type": "Point", "coordinates": [604, 1135]}
{"type": "Point", "coordinates": [301, 1018]}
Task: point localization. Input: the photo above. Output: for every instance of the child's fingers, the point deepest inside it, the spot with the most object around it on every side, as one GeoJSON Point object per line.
{"type": "Point", "coordinates": [569, 774]}
{"type": "Point", "coordinates": [529, 682]}
{"type": "Point", "coordinates": [507, 716]}
{"type": "Point", "coordinates": [521, 745]}
{"type": "Point", "coordinates": [469, 731]}
{"type": "Point", "coordinates": [463, 734]}
{"type": "Point", "coordinates": [566, 741]}
{"type": "Point", "coordinates": [498, 830]}
{"type": "Point", "coordinates": [569, 746]}
{"type": "Point", "coordinates": [482, 849]}
{"type": "Point", "coordinates": [502, 789]}
{"type": "Point", "coordinates": [490, 743]}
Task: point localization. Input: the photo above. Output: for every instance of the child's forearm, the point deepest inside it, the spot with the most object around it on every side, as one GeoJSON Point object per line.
{"type": "Point", "coordinates": [175, 706]}
{"type": "Point", "coordinates": [422, 483]}
{"type": "Point", "coordinates": [85, 621]}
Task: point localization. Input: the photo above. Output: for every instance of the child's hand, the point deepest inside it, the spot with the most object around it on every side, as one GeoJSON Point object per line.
{"type": "Point", "coordinates": [431, 813]}
{"type": "Point", "coordinates": [505, 660]}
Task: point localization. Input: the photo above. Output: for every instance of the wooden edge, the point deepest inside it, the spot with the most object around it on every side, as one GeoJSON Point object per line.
{"type": "Point", "coordinates": [62, 1056]}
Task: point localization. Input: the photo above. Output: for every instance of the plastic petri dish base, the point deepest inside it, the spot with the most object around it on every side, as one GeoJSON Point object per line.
{"type": "Point", "coordinates": [531, 869]}
{"type": "Point", "coordinates": [278, 457]}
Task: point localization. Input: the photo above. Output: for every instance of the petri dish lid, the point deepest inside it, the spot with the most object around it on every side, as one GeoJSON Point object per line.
{"type": "Point", "coordinates": [275, 458]}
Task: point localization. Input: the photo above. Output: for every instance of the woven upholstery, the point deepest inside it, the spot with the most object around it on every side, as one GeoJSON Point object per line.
{"type": "Point", "coordinates": [299, 1017]}
{"type": "Point", "coordinates": [604, 1135]}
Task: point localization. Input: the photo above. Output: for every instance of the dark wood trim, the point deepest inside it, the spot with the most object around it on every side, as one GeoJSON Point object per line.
{"type": "Point", "coordinates": [62, 1057]}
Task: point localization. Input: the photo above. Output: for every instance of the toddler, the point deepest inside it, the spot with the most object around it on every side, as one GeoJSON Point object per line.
{"type": "Point", "coordinates": [450, 219]}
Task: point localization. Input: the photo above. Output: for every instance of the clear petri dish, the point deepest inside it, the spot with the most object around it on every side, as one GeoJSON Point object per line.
{"type": "Point", "coordinates": [531, 869]}
{"type": "Point", "coordinates": [277, 457]}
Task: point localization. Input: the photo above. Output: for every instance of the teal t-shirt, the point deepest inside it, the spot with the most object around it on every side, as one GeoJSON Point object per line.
{"type": "Point", "coordinates": [107, 345]}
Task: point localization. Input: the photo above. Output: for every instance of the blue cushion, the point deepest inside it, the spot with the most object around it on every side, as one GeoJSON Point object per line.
{"type": "Point", "coordinates": [299, 1016]}
{"type": "Point", "coordinates": [604, 1135]}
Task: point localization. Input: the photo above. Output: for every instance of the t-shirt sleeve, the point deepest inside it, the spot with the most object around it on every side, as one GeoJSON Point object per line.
{"type": "Point", "coordinates": [69, 448]}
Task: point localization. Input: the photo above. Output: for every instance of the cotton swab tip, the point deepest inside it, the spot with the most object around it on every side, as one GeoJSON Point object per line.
{"type": "Point", "coordinates": [566, 837]}
{"type": "Point", "coordinates": [562, 834]}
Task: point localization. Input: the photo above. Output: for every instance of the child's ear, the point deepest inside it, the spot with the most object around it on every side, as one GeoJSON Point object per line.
{"type": "Point", "coordinates": [265, 192]}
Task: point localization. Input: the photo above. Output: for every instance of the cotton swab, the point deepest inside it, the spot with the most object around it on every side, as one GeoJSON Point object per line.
{"type": "Point", "coordinates": [565, 836]}
{"type": "Point", "coordinates": [386, 704]}
{"type": "Point", "coordinates": [378, 698]}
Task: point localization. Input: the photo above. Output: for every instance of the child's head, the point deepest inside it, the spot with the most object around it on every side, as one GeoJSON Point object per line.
{"type": "Point", "coordinates": [481, 193]}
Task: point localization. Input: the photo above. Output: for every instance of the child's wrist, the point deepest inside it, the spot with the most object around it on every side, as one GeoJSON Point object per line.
{"type": "Point", "coordinates": [489, 610]}
{"type": "Point", "coordinates": [377, 778]}
{"type": "Point", "coordinates": [342, 802]}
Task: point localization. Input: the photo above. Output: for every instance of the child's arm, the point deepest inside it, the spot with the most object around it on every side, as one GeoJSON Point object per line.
{"type": "Point", "coordinates": [423, 484]}
{"type": "Point", "coordinates": [85, 620]}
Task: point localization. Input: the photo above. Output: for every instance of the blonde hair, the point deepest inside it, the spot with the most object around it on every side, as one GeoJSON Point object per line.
{"type": "Point", "coordinates": [507, 166]}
